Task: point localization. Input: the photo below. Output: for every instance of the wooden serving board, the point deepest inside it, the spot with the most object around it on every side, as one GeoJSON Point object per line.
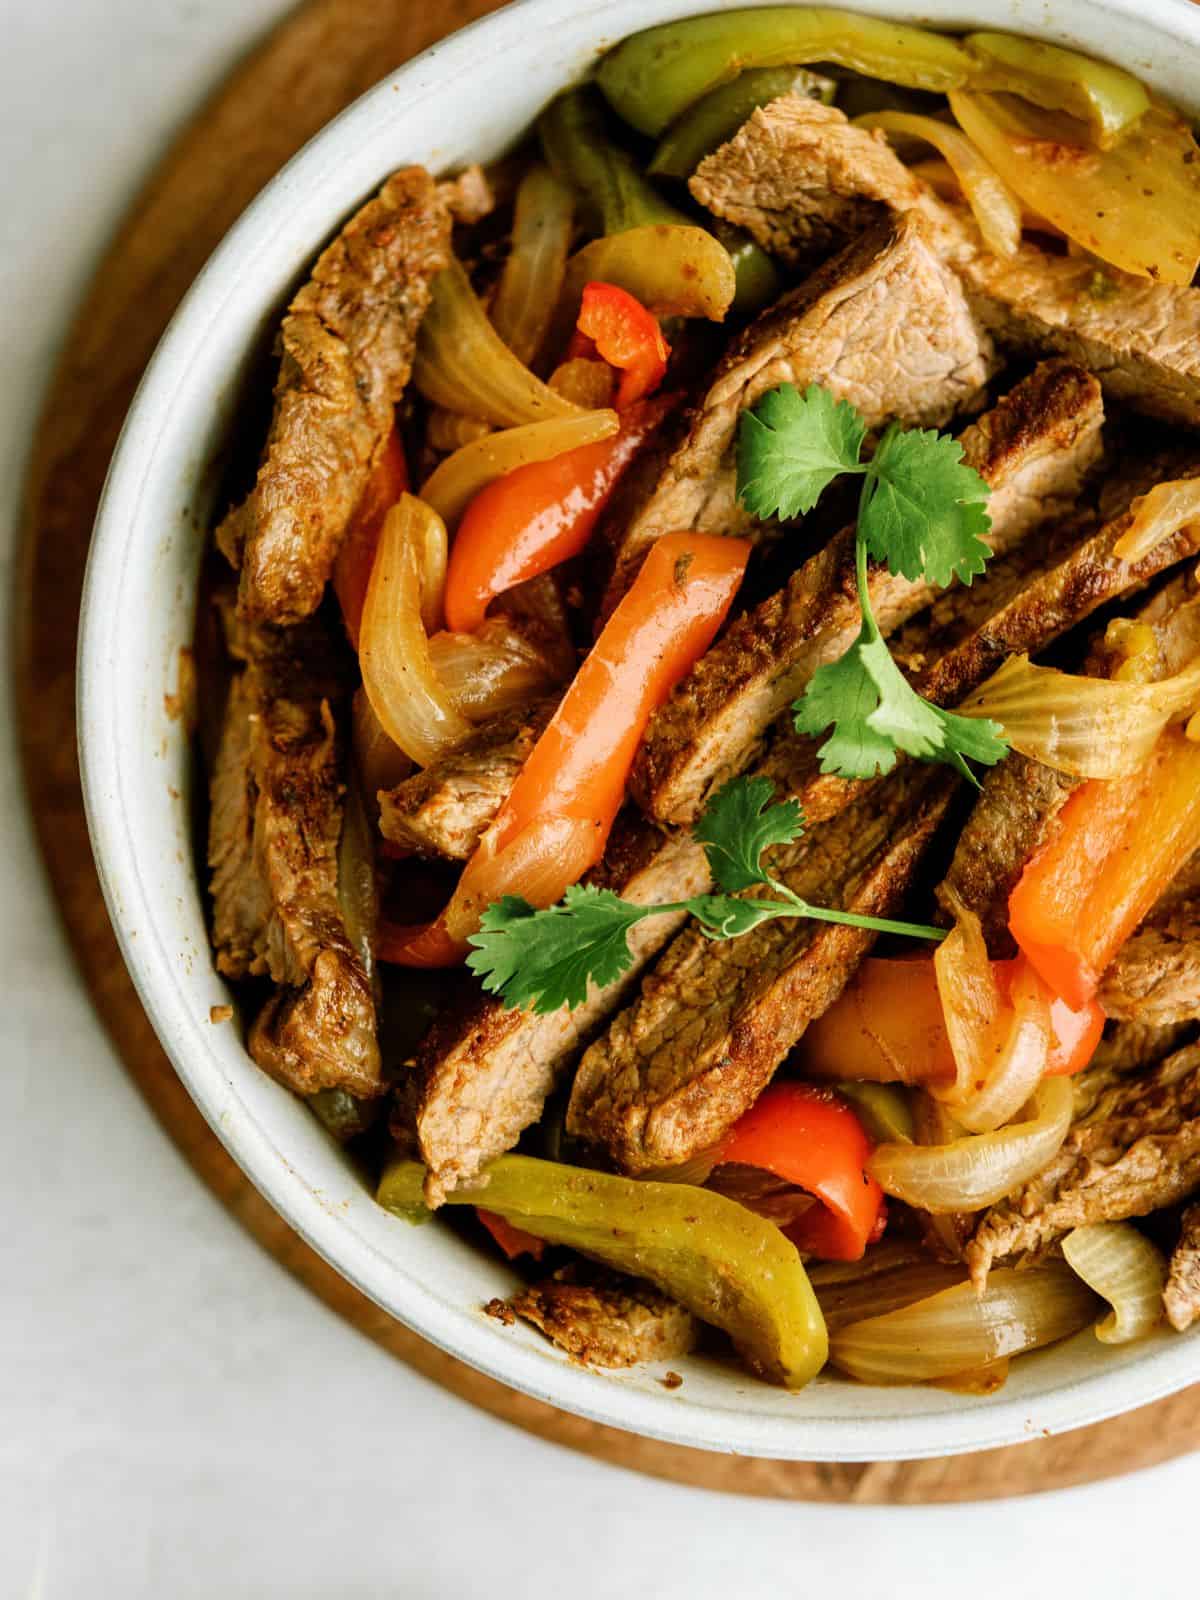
{"type": "Point", "coordinates": [322, 57]}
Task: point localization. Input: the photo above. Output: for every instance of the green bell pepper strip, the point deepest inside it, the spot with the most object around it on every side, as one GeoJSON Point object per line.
{"type": "Point", "coordinates": [652, 77]}
{"type": "Point", "coordinates": [718, 116]}
{"type": "Point", "coordinates": [1108, 99]}
{"type": "Point", "coordinates": [576, 144]}
{"type": "Point", "coordinates": [884, 1109]}
{"type": "Point", "coordinates": [727, 1265]}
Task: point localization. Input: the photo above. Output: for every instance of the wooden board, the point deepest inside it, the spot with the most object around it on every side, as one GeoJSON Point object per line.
{"type": "Point", "coordinates": [323, 56]}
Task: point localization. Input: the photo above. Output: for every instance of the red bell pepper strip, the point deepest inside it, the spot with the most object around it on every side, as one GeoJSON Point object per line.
{"type": "Point", "coordinates": [574, 778]}
{"type": "Point", "coordinates": [807, 1136]}
{"type": "Point", "coordinates": [1118, 846]}
{"type": "Point", "coordinates": [537, 516]}
{"type": "Point", "coordinates": [356, 556]}
{"type": "Point", "coordinates": [625, 335]}
{"type": "Point", "coordinates": [887, 1027]}
{"type": "Point", "coordinates": [512, 1240]}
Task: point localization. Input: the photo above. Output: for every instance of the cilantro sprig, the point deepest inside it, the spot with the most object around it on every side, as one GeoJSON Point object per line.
{"type": "Point", "coordinates": [922, 512]}
{"type": "Point", "coordinates": [547, 959]}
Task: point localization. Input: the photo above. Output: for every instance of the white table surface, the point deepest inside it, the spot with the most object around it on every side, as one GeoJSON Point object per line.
{"type": "Point", "coordinates": [177, 1417]}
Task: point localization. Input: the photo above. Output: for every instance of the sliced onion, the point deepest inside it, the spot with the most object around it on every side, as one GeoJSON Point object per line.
{"type": "Point", "coordinates": [1122, 1265]}
{"type": "Point", "coordinates": [969, 1173]}
{"type": "Point", "coordinates": [959, 1330]}
{"type": "Point", "coordinates": [1087, 727]}
{"type": "Point", "coordinates": [492, 670]}
{"type": "Point", "coordinates": [1157, 515]}
{"type": "Point", "coordinates": [381, 764]}
{"type": "Point", "coordinates": [939, 176]}
{"type": "Point", "coordinates": [413, 708]}
{"type": "Point", "coordinates": [541, 862]}
{"type": "Point", "coordinates": [463, 364]}
{"type": "Point", "coordinates": [1000, 1050]}
{"type": "Point", "coordinates": [454, 484]}
{"type": "Point", "coordinates": [433, 556]}
{"type": "Point", "coordinates": [447, 431]}
{"type": "Point", "coordinates": [997, 209]}
{"type": "Point", "coordinates": [1136, 206]}
{"type": "Point", "coordinates": [875, 1294]}
{"type": "Point", "coordinates": [588, 383]}
{"type": "Point", "coordinates": [532, 279]}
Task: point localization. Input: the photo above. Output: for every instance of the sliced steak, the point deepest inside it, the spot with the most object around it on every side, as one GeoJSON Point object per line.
{"type": "Point", "coordinates": [347, 346]}
{"type": "Point", "coordinates": [1136, 1149]}
{"type": "Point", "coordinates": [444, 809]}
{"type": "Point", "coordinates": [485, 1076]}
{"type": "Point", "coordinates": [802, 180]}
{"type": "Point", "coordinates": [275, 826]}
{"type": "Point", "coordinates": [794, 177]}
{"type": "Point", "coordinates": [884, 325]}
{"type": "Point", "coordinates": [1155, 977]}
{"type": "Point", "coordinates": [1035, 449]}
{"type": "Point", "coordinates": [605, 1319]}
{"type": "Point", "coordinates": [1181, 1297]}
{"type": "Point", "coordinates": [1036, 608]}
{"type": "Point", "coordinates": [713, 1020]}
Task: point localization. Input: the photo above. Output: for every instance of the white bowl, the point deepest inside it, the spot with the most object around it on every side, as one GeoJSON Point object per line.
{"type": "Point", "coordinates": [464, 99]}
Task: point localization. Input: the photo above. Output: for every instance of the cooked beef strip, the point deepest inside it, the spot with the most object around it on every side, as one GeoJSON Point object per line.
{"type": "Point", "coordinates": [605, 1319]}
{"type": "Point", "coordinates": [1181, 1297]}
{"type": "Point", "coordinates": [276, 821]}
{"type": "Point", "coordinates": [1036, 608]}
{"type": "Point", "coordinates": [884, 325]}
{"type": "Point", "coordinates": [1035, 449]}
{"type": "Point", "coordinates": [802, 180]}
{"type": "Point", "coordinates": [444, 809]}
{"type": "Point", "coordinates": [486, 1074]}
{"type": "Point", "coordinates": [1155, 977]}
{"type": "Point", "coordinates": [1141, 338]}
{"type": "Point", "coordinates": [347, 347]}
{"type": "Point", "coordinates": [713, 1020]}
{"type": "Point", "coordinates": [1136, 1149]}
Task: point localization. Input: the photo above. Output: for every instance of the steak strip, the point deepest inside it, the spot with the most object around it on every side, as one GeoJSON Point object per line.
{"type": "Point", "coordinates": [1135, 1150]}
{"type": "Point", "coordinates": [1181, 1297]}
{"type": "Point", "coordinates": [605, 1319]}
{"type": "Point", "coordinates": [1035, 449]}
{"type": "Point", "coordinates": [884, 325]}
{"type": "Point", "coordinates": [485, 1076]}
{"type": "Point", "coordinates": [714, 1019]}
{"type": "Point", "coordinates": [347, 346]}
{"type": "Point", "coordinates": [276, 819]}
{"type": "Point", "coordinates": [785, 166]}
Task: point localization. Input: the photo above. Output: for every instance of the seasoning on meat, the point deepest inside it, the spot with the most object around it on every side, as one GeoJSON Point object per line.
{"type": "Point", "coordinates": [1181, 1297]}
{"type": "Point", "coordinates": [605, 1319]}
{"type": "Point", "coordinates": [486, 1075]}
{"type": "Point", "coordinates": [883, 325]}
{"type": "Point", "coordinates": [1035, 450]}
{"type": "Point", "coordinates": [1155, 977]}
{"type": "Point", "coordinates": [276, 822]}
{"type": "Point", "coordinates": [1136, 1149]}
{"type": "Point", "coordinates": [712, 1021]}
{"type": "Point", "coordinates": [802, 180]}
{"type": "Point", "coordinates": [347, 347]}
{"type": "Point", "coordinates": [444, 809]}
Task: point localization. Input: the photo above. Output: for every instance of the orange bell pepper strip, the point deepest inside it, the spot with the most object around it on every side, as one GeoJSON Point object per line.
{"type": "Point", "coordinates": [625, 335]}
{"type": "Point", "coordinates": [807, 1136]}
{"type": "Point", "coordinates": [887, 1027]}
{"type": "Point", "coordinates": [555, 823]}
{"type": "Point", "coordinates": [356, 555]}
{"type": "Point", "coordinates": [537, 516]}
{"type": "Point", "coordinates": [512, 1240]}
{"type": "Point", "coordinates": [1118, 846]}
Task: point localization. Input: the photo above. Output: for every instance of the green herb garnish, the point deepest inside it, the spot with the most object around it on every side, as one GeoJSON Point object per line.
{"type": "Point", "coordinates": [922, 513]}
{"type": "Point", "coordinates": [546, 959]}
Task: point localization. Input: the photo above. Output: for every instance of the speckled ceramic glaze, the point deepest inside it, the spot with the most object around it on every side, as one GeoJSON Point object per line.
{"type": "Point", "coordinates": [464, 100]}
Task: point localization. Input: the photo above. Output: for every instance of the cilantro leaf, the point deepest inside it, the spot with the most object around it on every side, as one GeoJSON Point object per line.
{"type": "Point", "coordinates": [790, 448]}
{"type": "Point", "coordinates": [545, 959]}
{"type": "Point", "coordinates": [739, 824]}
{"type": "Point", "coordinates": [924, 511]}
{"type": "Point", "coordinates": [875, 711]}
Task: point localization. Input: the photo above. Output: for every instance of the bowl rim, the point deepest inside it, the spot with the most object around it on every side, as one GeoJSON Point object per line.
{"type": "Point", "coordinates": [138, 914]}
